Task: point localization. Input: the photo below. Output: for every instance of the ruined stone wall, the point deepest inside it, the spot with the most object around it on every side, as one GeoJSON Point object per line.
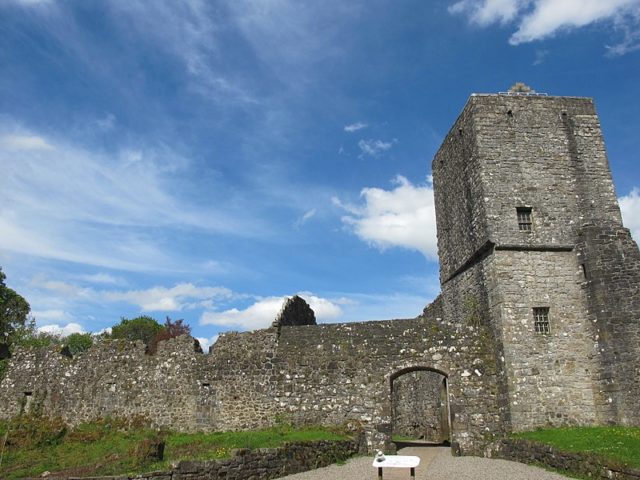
{"type": "Point", "coordinates": [324, 374]}
{"type": "Point", "coordinates": [419, 406]}
{"type": "Point", "coordinates": [611, 263]}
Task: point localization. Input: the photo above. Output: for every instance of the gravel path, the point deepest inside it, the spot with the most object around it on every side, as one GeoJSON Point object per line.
{"type": "Point", "coordinates": [436, 463]}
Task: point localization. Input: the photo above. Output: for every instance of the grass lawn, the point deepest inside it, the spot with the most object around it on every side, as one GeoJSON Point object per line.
{"type": "Point", "coordinates": [621, 444]}
{"type": "Point", "coordinates": [108, 447]}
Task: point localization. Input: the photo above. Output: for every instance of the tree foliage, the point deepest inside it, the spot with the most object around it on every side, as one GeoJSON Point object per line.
{"type": "Point", "coordinates": [14, 311]}
{"type": "Point", "coordinates": [142, 328]}
{"type": "Point", "coordinates": [78, 342]}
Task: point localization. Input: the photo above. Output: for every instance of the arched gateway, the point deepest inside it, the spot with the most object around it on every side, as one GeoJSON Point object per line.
{"type": "Point", "coordinates": [420, 405]}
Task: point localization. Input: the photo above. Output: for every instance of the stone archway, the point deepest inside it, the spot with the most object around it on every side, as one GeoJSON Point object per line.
{"type": "Point", "coordinates": [420, 405]}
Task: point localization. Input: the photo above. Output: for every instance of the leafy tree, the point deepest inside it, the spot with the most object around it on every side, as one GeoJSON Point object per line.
{"type": "Point", "coordinates": [14, 311]}
{"type": "Point", "coordinates": [140, 328]}
{"type": "Point", "coordinates": [78, 342]}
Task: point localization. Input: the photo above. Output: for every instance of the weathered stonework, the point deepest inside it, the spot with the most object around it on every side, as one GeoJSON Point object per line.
{"type": "Point", "coordinates": [545, 154]}
{"type": "Point", "coordinates": [498, 373]}
{"type": "Point", "coordinates": [420, 407]}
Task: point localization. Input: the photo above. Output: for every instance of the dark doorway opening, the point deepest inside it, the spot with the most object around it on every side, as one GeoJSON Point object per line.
{"type": "Point", "coordinates": [420, 408]}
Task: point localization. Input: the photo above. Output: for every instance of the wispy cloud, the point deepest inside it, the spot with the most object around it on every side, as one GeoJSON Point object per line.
{"type": "Point", "coordinates": [373, 147]}
{"type": "Point", "coordinates": [308, 215]}
{"type": "Point", "coordinates": [401, 217]}
{"type": "Point", "coordinates": [24, 142]}
{"type": "Point", "coordinates": [540, 19]}
{"type": "Point", "coordinates": [103, 279]}
{"type": "Point", "coordinates": [176, 298]}
{"type": "Point", "coordinates": [541, 55]}
{"type": "Point", "coordinates": [69, 203]}
{"type": "Point", "coordinates": [354, 127]}
{"type": "Point", "coordinates": [164, 299]}
{"type": "Point", "coordinates": [630, 209]}
{"type": "Point", "coordinates": [188, 31]}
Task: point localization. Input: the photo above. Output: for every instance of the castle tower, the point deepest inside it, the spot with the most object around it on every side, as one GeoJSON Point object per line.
{"type": "Point", "coordinates": [531, 242]}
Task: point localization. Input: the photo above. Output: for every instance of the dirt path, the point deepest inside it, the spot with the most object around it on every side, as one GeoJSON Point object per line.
{"type": "Point", "coordinates": [436, 463]}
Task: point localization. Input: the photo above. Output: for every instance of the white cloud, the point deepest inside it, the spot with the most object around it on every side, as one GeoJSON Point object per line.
{"type": "Point", "coordinates": [263, 312]}
{"type": "Point", "coordinates": [61, 330]}
{"type": "Point", "coordinates": [259, 315]}
{"type": "Point", "coordinates": [374, 147]}
{"type": "Point", "coordinates": [354, 127]}
{"type": "Point", "coordinates": [539, 19]}
{"type": "Point", "coordinates": [179, 297]}
{"type": "Point", "coordinates": [485, 12]}
{"type": "Point", "coordinates": [401, 217]}
{"type": "Point", "coordinates": [550, 16]}
{"type": "Point", "coordinates": [630, 208]}
{"type": "Point", "coordinates": [24, 142]}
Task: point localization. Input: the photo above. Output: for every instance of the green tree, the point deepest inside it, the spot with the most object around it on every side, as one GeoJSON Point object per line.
{"type": "Point", "coordinates": [14, 311]}
{"type": "Point", "coordinates": [140, 328]}
{"type": "Point", "coordinates": [78, 342]}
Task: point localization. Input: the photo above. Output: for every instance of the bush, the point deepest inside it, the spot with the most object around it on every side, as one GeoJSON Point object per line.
{"type": "Point", "coordinates": [78, 342]}
{"type": "Point", "coordinates": [142, 328]}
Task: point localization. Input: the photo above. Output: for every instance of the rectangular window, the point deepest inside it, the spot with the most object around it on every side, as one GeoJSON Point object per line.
{"type": "Point", "coordinates": [524, 219]}
{"type": "Point", "coordinates": [541, 320]}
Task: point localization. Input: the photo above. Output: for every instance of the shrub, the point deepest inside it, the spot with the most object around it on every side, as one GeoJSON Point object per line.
{"type": "Point", "coordinates": [78, 342]}
{"type": "Point", "coordinates": [142, 328]}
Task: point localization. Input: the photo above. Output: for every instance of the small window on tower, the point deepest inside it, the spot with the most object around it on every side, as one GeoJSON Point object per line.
{"type": "Point", "coordinates": [524, 219]}
{"type": "Point", "coordinates": [541, 320]}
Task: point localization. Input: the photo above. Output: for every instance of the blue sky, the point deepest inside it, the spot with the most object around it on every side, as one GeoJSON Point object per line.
{"type": "Point", "coordinates": [203, 159]}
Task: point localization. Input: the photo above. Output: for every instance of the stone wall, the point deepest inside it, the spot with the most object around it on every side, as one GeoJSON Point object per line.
{"type": "Point", "coordinates": [316, 374]}
{"type": "Point", "coordinates": [610, 263]}
{"type": "Point", "coordinates": [549, 376]}
{"type": "Point", "coordinates": [258, 464]}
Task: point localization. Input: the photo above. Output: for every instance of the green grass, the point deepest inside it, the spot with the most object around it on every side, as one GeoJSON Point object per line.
{"type": "Point", "coordinates": [108, 447]}
{"type": "Point", "coordinates": [621, 444]}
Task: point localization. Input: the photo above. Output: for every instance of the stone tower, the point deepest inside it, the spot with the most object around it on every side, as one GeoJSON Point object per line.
{"type": "Point", "coordinates": [531, 243]}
